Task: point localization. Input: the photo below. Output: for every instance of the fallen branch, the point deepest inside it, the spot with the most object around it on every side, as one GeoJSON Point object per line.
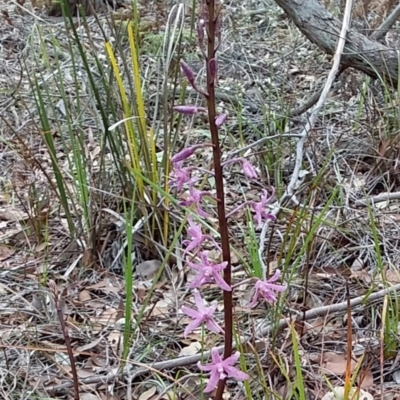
{"type": "Point", "coordinates": [379, 198]}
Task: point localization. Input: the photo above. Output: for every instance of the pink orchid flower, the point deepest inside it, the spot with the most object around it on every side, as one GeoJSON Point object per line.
{"type": "Point", "coordinates": [260, 208]}
{"type": "Point", "coordinates": [220, 369]}
{"type": "Point", "coordinates": [267, 289]}
{"type": "Point", "coordinates": [208, 272]}
{"type": "Point", "coordinates": [203, 315]}
{"type": "Point", "coordinates": [247, 168]}
{"type": "Point", "coordinates": [180, 176]}
{"type": "Point", "coordinates": [195, 197]}
{"type": "Point", "coordinates": [197, 238]}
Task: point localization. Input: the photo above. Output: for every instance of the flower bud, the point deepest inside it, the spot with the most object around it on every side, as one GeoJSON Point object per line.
{"type": "Point", "coordinates": [187, 152]}
{"type": "Point", "coordinates": [183, 155]}
{"type": "Point", "coordinates": [189, 110]}
{"type": "Point", "coordinates": [188, 72]}
{"type": "Point", "coordinates": [220, 120]}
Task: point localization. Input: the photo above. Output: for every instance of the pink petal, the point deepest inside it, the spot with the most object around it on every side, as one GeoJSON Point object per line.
{"type": "Point", "coordinates": [208, 367]}
{"type": "Point", "coordinates": [249, 170]}
{"type": "Point", "coordinates": [192, 326]}
{"type": "Point", "coordinates": [275, 288]}
{"type": "Point", "coordinates": [269, 297]}
{"type": "Point", "coordinates": [195, 232]}
{"type": "Point", "coordinates": [202, 213]}
{"type": "Point", "coordinates": [199, 302]}
{"type": "Point", "coordinates": [215, 356]}
{"type": "Point", "coordinates": [189, 109]}
{"type": "Point", "coordinates": [194, 235]}
{"type": "Point", "coordinates": [275, 276]}
{"type": "Point", "coordinates": [268, 215]}
{"type": "Point", "coordinates": [221, 266]}
{"type": "Point", "coordinates": [192, 245]}
{"type": "Point", "coordinates": [265, 197]}
{"type": "Point", "coordinates": [220, 120]}
{"type": "Point", "coordinates": [221, 283]}
{"type": "Point", "coordinates": [214, 378]}
{"type": "Point", "coordinates": [190, 312]}
{"type": "Point", "coordinates": [254, 300]}
{"type": "Point", "coordinates": [204, 258]}
{"type": "Point", "coordinates": [236, 373]}
{"type": "Point", "coordinates": [222, 375]}
{"type": "Point", "coordinates": [211, 309]}
{"type": "Point", "coordinates": [193, 226]}
{"type": "Point", "coordinates": [183, 155]}
{"type": "Point", "coordinates": [196, 267]}
{"type": "Point", "coordinates": [197, 281]}
{"type": "Point", "coordinates": [232, 359]}
{"type": "Point", "coordinates": [185, 203]}
{"type": "Point", "coordinates": [213, 326]}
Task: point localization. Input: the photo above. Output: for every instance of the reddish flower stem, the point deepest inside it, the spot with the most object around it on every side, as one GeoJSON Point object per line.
{"type": "Point", "coordinates": [223, 228]}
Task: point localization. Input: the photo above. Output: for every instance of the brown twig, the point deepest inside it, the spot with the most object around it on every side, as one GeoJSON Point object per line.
{"type": "Point", "coordinates": [56, 296]}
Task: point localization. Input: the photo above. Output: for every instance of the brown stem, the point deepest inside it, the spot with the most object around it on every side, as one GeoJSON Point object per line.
{"type": "Point", "coordinates": [219, 183]}
{"type": "Point", "coordinates": [56, 297]}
